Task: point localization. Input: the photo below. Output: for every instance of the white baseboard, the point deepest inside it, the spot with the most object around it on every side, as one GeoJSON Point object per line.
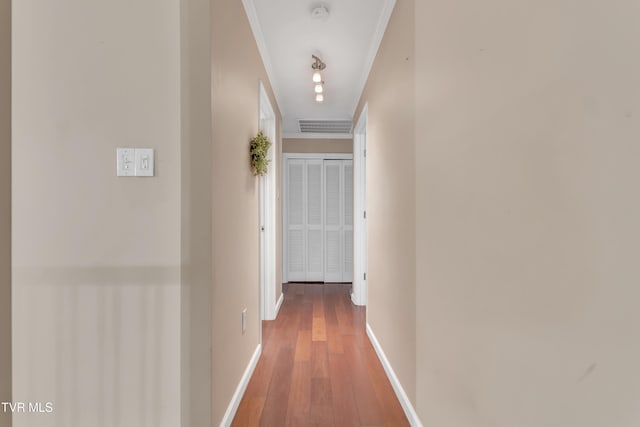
{"type": "Point", "coordinates": [278, 304]}
{"type": "Point", "coordinates": [409, 410]}
{"type": "Point", "coordinates": [242, 386]}
{"type": "Point", "coordinates": [356, 301]}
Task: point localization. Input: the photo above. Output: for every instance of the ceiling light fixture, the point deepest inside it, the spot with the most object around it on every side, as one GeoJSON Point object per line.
{"type": "Point", "coordinates": [317, 66]}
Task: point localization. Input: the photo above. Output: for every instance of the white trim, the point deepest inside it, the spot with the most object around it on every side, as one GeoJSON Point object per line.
{"type": "Point", "coordinates": [373, 48]}
{"type": "Point", "coordinates": [279, 304]}
{"type": "Point", "coordinates": [254, 22]}
{"type": "Point", "coordinates": [359, 294]}
{"type": "Point", "coordinates": [409, 411]}
{"type": "Point", "coordinates": [267, 212]}
{"type": "Point", "coordinates": [321, 156]}
{"type": "Point", "coordinates": [242, 387]}
{"type": "Point", "coordinates": [312, 135]}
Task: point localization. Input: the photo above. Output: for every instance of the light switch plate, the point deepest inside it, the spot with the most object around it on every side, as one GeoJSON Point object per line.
{"type": "Point", "coordinates": [244, 321]}
{"type": "Point", "coordinates": [144, 162]}
{"type": "Point", "coordinates": [125, 162]}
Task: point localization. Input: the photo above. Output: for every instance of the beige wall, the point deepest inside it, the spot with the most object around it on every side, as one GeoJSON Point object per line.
{"type": "Point", "coordinates": [195, 168]}
{"type": "Point", "coordinates": [5, 208]}
{"type": "Point", "coordinates": [291, 145]}
{"type": "Point", "coordinates": [96, 258]}
{"type": "Point", "coordinates": [527, 204]}
{"type": "Point", "coordinates": [236, 71]}
{"type": "Point", "coordinates": [391, 195]}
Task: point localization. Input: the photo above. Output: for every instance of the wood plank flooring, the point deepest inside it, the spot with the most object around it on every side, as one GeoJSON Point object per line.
{"type": "Point", "coordinates": [318, 367]}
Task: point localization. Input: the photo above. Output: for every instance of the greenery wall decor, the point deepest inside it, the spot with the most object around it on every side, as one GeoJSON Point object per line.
{"type": "Point", "coordinates": [259, 148]}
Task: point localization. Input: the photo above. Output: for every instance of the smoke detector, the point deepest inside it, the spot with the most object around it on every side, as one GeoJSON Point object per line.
{"type": "Point", "coordinates": [320, 13]}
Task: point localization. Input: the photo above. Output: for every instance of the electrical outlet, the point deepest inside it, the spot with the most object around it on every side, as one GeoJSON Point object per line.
{"type": "Point", "coordinates": [244, 321]}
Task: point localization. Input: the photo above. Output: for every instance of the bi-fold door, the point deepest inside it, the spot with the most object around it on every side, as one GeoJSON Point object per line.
{"type": "Point", "coordinates": [304, 216]}
{"type": "Point", "coordinates": [319, 220]}
{"type": "Point", "coordinates": [338, 224]}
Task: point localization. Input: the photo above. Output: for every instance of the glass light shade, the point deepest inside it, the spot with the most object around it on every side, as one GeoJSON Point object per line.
{"type": "Point", "coordinates": [318, 88]}
{"type": "Point", "coordinates": [317, 77]}
{"type": "Point", "coordinates": [319, 97]}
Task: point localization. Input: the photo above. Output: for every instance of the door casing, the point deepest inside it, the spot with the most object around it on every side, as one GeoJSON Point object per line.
{"type": "Point", "coordinates": [267, 214]}
{"type": "Point", "coordinates": [359, 294]}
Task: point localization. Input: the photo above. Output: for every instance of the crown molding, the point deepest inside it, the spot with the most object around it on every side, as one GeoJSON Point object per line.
{"type": "Point", "coordinates": [383, 21]}
{"type": "Point", "coordinates": [254, 23]}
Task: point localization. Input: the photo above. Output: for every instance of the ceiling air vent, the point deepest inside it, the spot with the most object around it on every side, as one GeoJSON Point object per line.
{"type": "Point", "coordinates": [325, 126]}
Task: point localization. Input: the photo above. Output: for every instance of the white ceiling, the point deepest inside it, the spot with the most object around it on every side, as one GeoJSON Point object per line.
{"type": "Point", "coordinates": [287, 36]}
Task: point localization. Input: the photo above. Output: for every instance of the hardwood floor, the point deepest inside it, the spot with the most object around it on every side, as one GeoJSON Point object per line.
{"type": "Point", "coordinates": [318, 367]}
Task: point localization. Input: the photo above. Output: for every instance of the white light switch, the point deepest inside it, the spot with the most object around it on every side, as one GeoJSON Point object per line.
{"type": "Point", "coordinates": [244, 321]}
{"type": "Point", "coordinates": [144, 161]}
{"type": "Point", "coordinates": [125, 161]}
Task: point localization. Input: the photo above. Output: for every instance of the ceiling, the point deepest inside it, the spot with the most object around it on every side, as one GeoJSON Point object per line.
{"type": "Point", "coordinates": [347, 40]}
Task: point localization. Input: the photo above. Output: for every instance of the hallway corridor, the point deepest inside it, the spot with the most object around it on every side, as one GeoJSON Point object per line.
{"type": "Point", "coordinates": [318, 367]}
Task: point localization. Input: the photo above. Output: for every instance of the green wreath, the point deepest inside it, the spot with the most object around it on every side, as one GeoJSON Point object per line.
{"type": "Point", "coordinates": [259, 148]}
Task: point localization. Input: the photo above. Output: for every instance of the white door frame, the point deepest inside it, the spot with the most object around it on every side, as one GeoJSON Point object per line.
{"type": "Point", "coordinates": [359, 294]}
{"type": "Point", "coordinates": [267, 214]}
{"type": "Point", "coordinates": [285, 193]}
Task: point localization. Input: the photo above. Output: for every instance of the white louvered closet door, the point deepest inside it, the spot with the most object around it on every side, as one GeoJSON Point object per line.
{"type": "Point", "coordinates": [296, 227]}
{"type": "Point", "coordinates": [347, 221]}
{"type": "Point", "coordinates": [314, 222]}
{"type": "Point", "coordinates": [333, 186]}
{"type": "Point", "coordinates": [319, 220]}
